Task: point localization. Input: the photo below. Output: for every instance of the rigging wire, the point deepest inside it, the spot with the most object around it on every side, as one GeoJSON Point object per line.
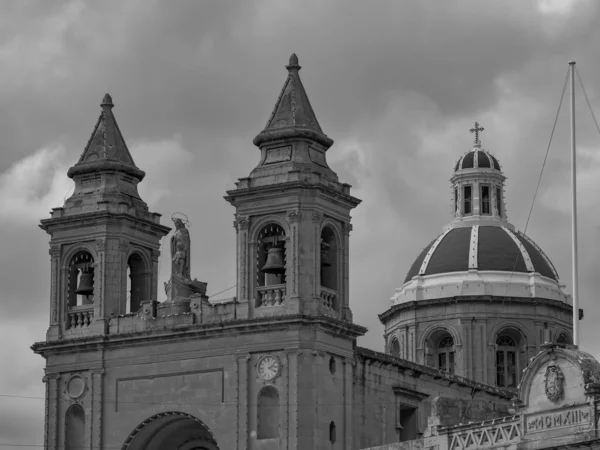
{"type": "Point", "coordinates": [587, 100]}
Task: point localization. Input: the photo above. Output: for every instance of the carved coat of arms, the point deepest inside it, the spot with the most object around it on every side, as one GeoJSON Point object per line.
{"type": "Point", "coordinates": [554, 383]}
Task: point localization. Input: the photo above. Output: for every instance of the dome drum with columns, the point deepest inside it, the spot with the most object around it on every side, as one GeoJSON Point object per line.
{"type": "Point", "coordinates": [478, 283]}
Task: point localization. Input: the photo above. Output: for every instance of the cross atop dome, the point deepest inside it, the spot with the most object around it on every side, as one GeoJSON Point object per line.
{"type": "Point", "coordinates": [477, 130]}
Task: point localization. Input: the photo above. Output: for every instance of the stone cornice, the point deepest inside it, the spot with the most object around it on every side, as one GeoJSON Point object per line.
{"type": "Point", "coordinates": [242, 326]}
{"type": "Point", "coordinates": [78, 220]}
{"type": "Point", "coordinates": [275, 190]}
{"type": "Point", "coordinates": [420, 370]}
{"type": "Point", "coordinates": [419, 304]}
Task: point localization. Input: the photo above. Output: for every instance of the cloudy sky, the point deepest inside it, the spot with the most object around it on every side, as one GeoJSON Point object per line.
{"type": "Point", "coordinates": [397, 85]}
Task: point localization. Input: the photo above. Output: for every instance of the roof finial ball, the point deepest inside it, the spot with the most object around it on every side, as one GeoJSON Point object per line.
{"type": "Point", "coordinates": [107, 101]}
{"type": "Point", "coordinates": [293, 65]}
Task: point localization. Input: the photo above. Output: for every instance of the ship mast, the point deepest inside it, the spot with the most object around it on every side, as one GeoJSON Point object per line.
{"type": "Point", "coordinates": [574, 212]}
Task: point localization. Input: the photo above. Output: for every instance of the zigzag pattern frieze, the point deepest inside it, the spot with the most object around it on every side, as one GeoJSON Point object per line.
{"type": "Point", "coordinates": [486, 437]}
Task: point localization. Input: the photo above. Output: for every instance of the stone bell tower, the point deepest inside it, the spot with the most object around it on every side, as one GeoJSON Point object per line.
{"type": "Point", "coordinates": [292, 217]}
{"type": "Point", "coordinates": [104, 243]}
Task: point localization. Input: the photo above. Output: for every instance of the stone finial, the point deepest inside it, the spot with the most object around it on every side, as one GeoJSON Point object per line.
{"type": "Point", "coordinates": [107, 101]}
{"type": "Point", "coordinates": [293, 63]}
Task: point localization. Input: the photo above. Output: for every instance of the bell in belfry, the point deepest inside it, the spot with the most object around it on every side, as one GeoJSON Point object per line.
{"type": "Point", "coordinates": [86, 283]}
{"type": "Point", "coordinates": [325, 254]}
{"type": "Point", "coordinates": [274, 262]}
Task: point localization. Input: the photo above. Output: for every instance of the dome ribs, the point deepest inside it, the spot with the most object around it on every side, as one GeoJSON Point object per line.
{"type": "Point", "coordinates": [539, 260]}
{"type": "Point", "coordinates": [416, 266]}
{"type": "Point", "coordinates": [452, 253]}
{"type": "Point", "coordinates": [497, 251]}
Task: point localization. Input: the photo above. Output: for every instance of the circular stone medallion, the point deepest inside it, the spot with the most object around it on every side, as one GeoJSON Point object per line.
{"type": "Point", "coordinates": [76, 386]}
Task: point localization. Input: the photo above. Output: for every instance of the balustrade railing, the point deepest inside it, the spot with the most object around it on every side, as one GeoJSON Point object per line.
{"type": "Point", "coordinates": [329, 298]}
{"type": "Point", "coordinates": [273, 295]}
{"type": "Point", "coordinates": [80, 316]}
{"type": "Point", "coordinates": [490, 434]}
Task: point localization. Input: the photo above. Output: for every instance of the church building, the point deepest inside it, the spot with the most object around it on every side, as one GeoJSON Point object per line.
{"type": "Point", "coordinates": [477, 336]}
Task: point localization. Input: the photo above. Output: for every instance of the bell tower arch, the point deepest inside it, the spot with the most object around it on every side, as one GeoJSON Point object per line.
{"type": "Point", "coordinates": [104, 243]}
{"type": "Point", "coordinates": [292, 217]}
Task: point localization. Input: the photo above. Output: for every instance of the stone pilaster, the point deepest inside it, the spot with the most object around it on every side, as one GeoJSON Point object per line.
{"type": "Point", "coordinates": [347, 367]}
{"type": "Point", "coordinates": [153, 288]}
{"type": "Point", "coordinates": [293, 218]}
{"type": "Point", "coordinates": [292, 358]}
{"type": "Point", "coordinates": [345, 278]}
{"type": "Point", "coordinates": [243, 371]}
{"type": "Point", "coordinates": [97, 376]}
{"type": "Point", "coordinates": [54, 283]}
{"type": "Point", "coordinates": [241, 224]}
{"type": "Point", "coordinates": [51, 421]}
{"type": "Point", "coordinates": [99, 285]}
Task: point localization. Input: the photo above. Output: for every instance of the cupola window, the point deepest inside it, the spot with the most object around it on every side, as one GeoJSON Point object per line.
{"type": "Point", "coordinates": [562, 339]}
{"type": "Point", "coordinates": [395, 348]}
{"type": "Point", "coordinates": [485, 199]}
{"type": "Point", "coordinates": [506, 362]}
{"type": "Point", "coordinates": [467, 194]}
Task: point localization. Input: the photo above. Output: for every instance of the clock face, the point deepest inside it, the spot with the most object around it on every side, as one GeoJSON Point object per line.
{"type": "Point", "coordinates": [268, 368]}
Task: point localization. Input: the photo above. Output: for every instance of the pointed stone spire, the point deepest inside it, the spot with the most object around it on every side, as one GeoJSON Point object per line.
{"type": "Point", "coordinates": [106, 146]}
{"type": "Point", "coordinates": [293, 115]}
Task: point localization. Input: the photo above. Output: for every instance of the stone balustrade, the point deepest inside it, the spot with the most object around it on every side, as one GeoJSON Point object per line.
{"type": "Point", "coordinates": [490, 434]}
{"type": "Point", "coordinates": [80, 316]}
{"type": "Point", "coordinates": [273, 295]}
{"type": "Point", "coordinates": [329, 297]}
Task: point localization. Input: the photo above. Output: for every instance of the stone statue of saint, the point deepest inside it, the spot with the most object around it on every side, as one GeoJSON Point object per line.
{"type": "Point", "coordinates": [180, 251]}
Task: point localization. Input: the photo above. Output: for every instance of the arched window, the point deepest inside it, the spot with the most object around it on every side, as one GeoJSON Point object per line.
{"type": "Point", "coordinates": [332, 365]}
{"type": "Point", "coordinates": [441, 351]}
{"type": "Point", "coordinates": [332, 432]}
{"type": "Point", "coordinates": [268, 413]}
{"type": "Point", "coordinates": [506, 361]}
{"type": "Point", "coordinates": [329, 269]}
{"type": "Point", "coordinates": [75, 428]}
{"type": "Point", "coordinates": [446, 354]}
{"type": "Point", "coordinates": [271, 265]}
{"type": "Point", "coordinates": [395, 348]}
{"type": "Point", "coordinates": [563, 339]}
{"type": "Point", "coordinates": [136, 283]}
{"type": "Point", "coordinates": [81, 279]}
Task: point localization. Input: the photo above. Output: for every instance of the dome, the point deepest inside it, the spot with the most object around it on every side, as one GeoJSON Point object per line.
{"type": "Point", "coordinates": [477, 158]}
{"type": "Point", "coordinates": [479, 252]}
{"type": "Point", "coordinates": [484, 248]}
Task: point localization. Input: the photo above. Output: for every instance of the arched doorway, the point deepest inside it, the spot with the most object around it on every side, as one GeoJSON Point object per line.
{"type": "Point", "coordinates": [171, 431]}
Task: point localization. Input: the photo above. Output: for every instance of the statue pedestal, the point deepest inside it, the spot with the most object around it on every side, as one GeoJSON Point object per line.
{"type": "Point", "coordinates": [180, 289]}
